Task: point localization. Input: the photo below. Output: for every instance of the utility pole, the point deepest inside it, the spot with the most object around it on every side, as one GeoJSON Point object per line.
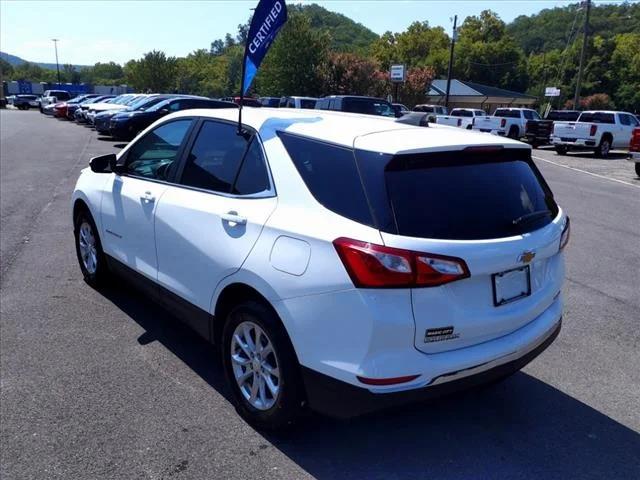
{"type": "Point", "coordinates": [576, 99]}
{"type": "Point", "coordinates": [450, 72]}
{"type": "Point", "coordinates": [55, 45]}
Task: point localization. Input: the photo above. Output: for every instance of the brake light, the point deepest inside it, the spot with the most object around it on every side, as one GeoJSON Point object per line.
{"type": "Point", "coordinates": [566, 233]}
{"type": "Point", "coordinates": [594, 129]}
{"type": "Point", "coordinates": [376, 266]}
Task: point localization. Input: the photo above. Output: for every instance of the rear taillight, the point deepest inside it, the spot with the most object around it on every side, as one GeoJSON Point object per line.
{"type": "Point", "coordinates": [566, 232]}
{"type": "Point", "coordinates": [594, 129]}
{"type": "Point", "coordinates": [376, 266]}
{"type": "Point", "coordinates": [503, 122]}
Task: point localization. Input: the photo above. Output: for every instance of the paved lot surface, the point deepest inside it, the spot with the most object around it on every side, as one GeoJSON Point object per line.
{"type": "Point", "coordinates": [106, 385]}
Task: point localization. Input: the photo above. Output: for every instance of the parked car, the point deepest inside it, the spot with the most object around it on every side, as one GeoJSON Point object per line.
{"type": "Point", "coordinates": [598, 130]}
{"type": "Point", "coordinates": [118, 103]}
{"type": "Point", "coordinates": [23, 101]}
{"type": "Point", "coordinates": [539, 132]}
{"type": "Point", "coordinates": [53, 96]}
{"type": "Point", "coordinates": [356, 104]}
{"type": "Point", "coordinates": [634, 150]}
{"type": "Point", "coordinates": [269, 101]}
{"type": "Point", "coordinates": [399, 109]}
{"type": "Point", "coordinates": [506, 121]}
{"type": "Point", "coordinates": [298, 102]}
{"type": "Point", "coordinates": [126, 125]}
{"type": "Point", "coordinates": [435, 109]}
{"type": "Point", "coordinates": [304, 250]}
{"type": "Point", "coordinates": [246, 101]}
{"type": "Point", "coordinates": [102, 120]}
{"type": "Point", "coordinates": [80, 114]}
{"type": "Point", "coordinates": [461, 117]}
{"type": "Point", "coordinates": [74, 104]}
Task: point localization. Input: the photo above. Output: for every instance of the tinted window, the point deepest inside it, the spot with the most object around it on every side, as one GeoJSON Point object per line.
{"type": "Point", "coordinates": [368, 106]}
{"type": "Point", "coordinates": [214, 158]}
{"type": "Point", "coordinates": [597, 117]}
{"type": "Point", "coordinates": [306, 103]}
{"type": "Point", "coordinates": [507, 113]}
{"type": "Point", "coordinates": [466, 197]}
{"type": "Point", "coordinates": [154, 154]}
{"type": "Point", "coordinates": [331, 176]}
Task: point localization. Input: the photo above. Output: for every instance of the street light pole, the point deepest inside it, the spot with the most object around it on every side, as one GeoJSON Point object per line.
{"type": "Point", "coordinates": [576, 99]}
{"type": "Point", "coordinates": [55, 45]}
{"type": "Point", "coordinates": [450, 71]}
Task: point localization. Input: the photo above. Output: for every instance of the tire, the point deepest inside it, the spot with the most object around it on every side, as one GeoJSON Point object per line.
{"type": "Point", "coordinates": [637, 164]}
{"type": "Point", "coordinates": [514, 133]}
{"type": "Point", "coordinates": [253, 319]}
{"type": "Point", "coordinates": [92, 262]}
{"type": "Point", "coordinates": [561, 150]}
{"type": "Point", "coordinates": [604, 148]}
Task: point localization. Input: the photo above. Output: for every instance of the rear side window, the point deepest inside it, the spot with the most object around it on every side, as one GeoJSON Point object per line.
{"type": "Point", "coordinates": [465, 196]}
{"type": "Point", "coordinates": [331, 175]}
{"type": "Point", "coordinates": [597, 117]}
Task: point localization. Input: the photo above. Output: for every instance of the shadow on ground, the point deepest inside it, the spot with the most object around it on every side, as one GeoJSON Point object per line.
{"type": "Point", "coordinates": [520, 428]}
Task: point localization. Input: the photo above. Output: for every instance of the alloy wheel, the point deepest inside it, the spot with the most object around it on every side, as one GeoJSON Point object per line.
{"type": "Point", "coordinates": [255, 365]}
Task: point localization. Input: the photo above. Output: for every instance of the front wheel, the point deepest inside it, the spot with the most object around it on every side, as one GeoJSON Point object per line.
{"type": "Point", "coordinates": [261, 367]}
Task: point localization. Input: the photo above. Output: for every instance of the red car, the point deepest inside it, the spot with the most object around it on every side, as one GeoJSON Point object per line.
{"type": "Point", "coordinates": [634, 149]}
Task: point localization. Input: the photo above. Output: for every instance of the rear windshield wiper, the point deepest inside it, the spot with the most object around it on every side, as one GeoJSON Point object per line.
{"type": "Point", "coordinates": [531, 216]}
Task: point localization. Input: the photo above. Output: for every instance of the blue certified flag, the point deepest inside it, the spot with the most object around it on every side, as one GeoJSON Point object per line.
{"type": "Point", "coordinates": [268, 19]}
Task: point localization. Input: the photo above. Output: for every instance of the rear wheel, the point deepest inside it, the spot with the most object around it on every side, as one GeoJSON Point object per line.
{"type": "Point", "coordinates": [261, 367]}
{"type": "Point", "coordinates": [604, 148]}
{"type": "Point", "coordinates": [89, 250]}
{"type": "Point", "coordinates": [561, 150]}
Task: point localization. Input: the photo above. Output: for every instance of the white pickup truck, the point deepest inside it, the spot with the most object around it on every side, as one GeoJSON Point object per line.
{"type": "Point", "coordinates": [506, 121]}
{"type": "Point", "coordinates": [461, 117]}
{"type": "Point", "coordinates": [600, 131]}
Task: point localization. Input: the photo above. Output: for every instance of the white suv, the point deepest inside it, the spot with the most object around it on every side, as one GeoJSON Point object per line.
{"type": "Point", "coordinates": [343, 262]}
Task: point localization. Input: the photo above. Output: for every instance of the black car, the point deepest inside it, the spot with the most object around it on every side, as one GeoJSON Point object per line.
{"type": "Point", "coordinates": [126, 125]}
{"type": "Point", "coordinates": [356, 104]}
{"type": "Point", "coordinates": [538, 132]}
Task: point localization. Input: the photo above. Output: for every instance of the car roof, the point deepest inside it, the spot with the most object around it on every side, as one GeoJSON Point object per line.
{"type": "Point", "coordinates": [367, 132]}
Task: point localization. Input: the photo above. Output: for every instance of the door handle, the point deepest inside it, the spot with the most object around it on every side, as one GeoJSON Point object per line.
{"type": "Point", "coordinates": [147, 197]}
{"type": "Point", "coordinates": [233, 219]}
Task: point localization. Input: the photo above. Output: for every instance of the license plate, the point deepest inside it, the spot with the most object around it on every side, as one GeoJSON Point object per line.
{"type": "Point", "coordinates": [511, 285]}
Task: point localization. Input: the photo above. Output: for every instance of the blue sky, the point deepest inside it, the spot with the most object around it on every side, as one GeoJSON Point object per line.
{"type": "Point", "coordinates": [100, 31]}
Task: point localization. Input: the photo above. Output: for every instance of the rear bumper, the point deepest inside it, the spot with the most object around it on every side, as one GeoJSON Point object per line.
{"type": "Point", "coordinates": [339, 399]}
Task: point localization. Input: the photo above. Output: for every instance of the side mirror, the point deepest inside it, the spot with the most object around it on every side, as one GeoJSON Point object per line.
{"type": "Point", "coordinates": [105, 164]}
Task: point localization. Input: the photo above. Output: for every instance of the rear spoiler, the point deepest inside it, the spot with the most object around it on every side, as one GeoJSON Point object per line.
{"type": "Point", "coordinates": [419, 119]}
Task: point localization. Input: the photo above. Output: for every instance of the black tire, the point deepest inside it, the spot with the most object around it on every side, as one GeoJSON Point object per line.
{"type": "Point", "coordinates": [604, 148]}
{"type": "Point", "coordinates": [637, 164]}
{"type": "Point", "coordinates": [561, 150]}
{"type": "Point", "coordinates": [289, 403]}
{"type": "Point", "coordinates": [514, 133]}
{"type": "Point", "coordinates": [98, 276]}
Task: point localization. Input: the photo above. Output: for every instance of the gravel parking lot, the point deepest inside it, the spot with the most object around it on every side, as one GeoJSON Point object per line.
{"type": "Point", "coordinates": [103, 384]}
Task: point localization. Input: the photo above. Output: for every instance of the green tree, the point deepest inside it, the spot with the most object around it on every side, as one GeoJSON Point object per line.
{"type": "Point", "coordinates": [153, 72]}
{"type": "Point", "coordinates": [294, 64]}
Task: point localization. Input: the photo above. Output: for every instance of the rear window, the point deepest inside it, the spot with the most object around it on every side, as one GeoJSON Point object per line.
{"type": "Point", "coordinates": [507, 113]}
{"type": "Point", "coordinates": [331, 175]}
{"type": "Point", "coordinates": [597, 117]}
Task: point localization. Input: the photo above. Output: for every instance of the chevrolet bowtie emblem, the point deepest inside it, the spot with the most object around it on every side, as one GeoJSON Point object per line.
{"type": "Point", "coordinates": [526, 257]}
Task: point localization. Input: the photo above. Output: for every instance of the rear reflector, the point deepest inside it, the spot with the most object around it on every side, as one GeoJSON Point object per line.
{"type": "Point", "coordinates": [376, 266]}
{"type": "Point", "coordinates": [387, 381]}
